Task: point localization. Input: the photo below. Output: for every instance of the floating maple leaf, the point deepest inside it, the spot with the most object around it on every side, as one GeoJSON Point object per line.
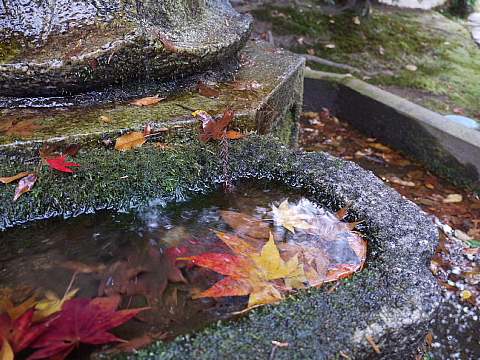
{"type": "Point", "coordinates": [20, 333]}
{"type": "Point", "coordinates": [84, 321]}
{"type": "Point", "coordinates": [249, 272]}
{"type": "Point", "coordinates": [60, 164]}
{"type": "Point", "coordinates": [290, 217]}
{"type": "Point", "coordinates": [51, 304]}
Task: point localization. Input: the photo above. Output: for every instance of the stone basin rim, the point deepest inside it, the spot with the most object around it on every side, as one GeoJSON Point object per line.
{"type": "Point", "coordinates": [402, 237]}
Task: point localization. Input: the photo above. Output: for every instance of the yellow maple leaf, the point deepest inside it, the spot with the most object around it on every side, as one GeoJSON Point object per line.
{"type": "Point", "coordinates": [290, 217]}
{"type": "Point", "coordinates": [51, 304]}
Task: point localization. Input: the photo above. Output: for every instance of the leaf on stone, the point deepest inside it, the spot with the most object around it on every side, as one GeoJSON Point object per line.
{"type": "Point", "coordinates": [7, 180]}
{"type": "Point", "coordinates": [231, 134]}
{"type": "Point", "coordinates": [131, 140]}
{"type": "Point", "coordinates": [248, 272]}
{"type": "Point", "coordinates": [169, 44]}
{"type": "Point", "coordinates": [23, 128]}
{"type": "Point", "coordinates": [207, 91]}
{"type": "Point", "coordinates": [60, 164]}
{"type": "Point", "coordinates": [72, 149]}
{"type": "Point", "coordinates": [213, 129]}
{"type": "Point", "coordinates": [24, 185]}
{"type": "Point", "coordinates": [147, 101]}
{"type": "Point", "coordinates": [290, 217]}
{"type": "Point", "coordinates": [48, 151]}
{"type": "Point", "coordinates": [75, 52]}
{"type": "Point", "coordinates": [83, 320]}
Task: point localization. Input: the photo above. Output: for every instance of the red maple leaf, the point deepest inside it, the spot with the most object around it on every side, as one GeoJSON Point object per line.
{"type": "Point", "coordinates": [83, 320]}
{"type": "Point", "coordinates": [21, 333]}
{"type": "Point", "coordinates": [59, 164]}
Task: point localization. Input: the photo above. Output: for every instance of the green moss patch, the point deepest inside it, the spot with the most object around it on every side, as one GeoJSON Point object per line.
{"type": "Point", "coordinates": [447, 60]}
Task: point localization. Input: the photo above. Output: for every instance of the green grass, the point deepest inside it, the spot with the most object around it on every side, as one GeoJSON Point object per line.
{"type": "Point", "coordinates": [447, 60]}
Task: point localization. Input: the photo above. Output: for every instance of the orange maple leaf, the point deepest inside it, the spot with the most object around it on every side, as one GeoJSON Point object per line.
{"type": "Point", "coordinates": [249, 272]}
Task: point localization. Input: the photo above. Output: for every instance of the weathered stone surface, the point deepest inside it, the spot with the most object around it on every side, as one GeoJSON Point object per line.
{"type": "Point", "coordinates": [273, 109]}
{"type": "Point", "coordinates": [72, 46]}
{"type": "Point", "coordinates": [447, 148]}
{"type": "Point", "coordinates": [393, 300]}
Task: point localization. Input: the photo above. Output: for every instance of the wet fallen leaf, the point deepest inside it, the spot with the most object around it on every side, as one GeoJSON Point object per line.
{"type": "Point", "coordinates": [24, 185]}
{"type": "Point", "coordinates": [7, 180]}
{"type": "Point", "coordinates": [207, 91]}
{"type": "Point", "coordinates": [23, 128]}
{"type": "Point", "coordinates": [105, 118]}
{"type": "Point", "coordinates": [453, 198]}
{"type": "Point", "coordinates": [248, 272]}
{"type": "Point", "coordinates": [51, 304]}
{"type": "Point", "coordinates": [60, 164]}
{"type": "Point", "coordinates": [131, 140]}
{"type": "Point", "coordinates": [75, 52]}
{"type": "Point", "coordinates": [15, 311]}
{"type": "Point", "coordinates": [21, 333]}
{"type": "Point", "coordinates": [82, 320]}
{"type": "Point", "coordinates": [290, 217]}
{"type": "Point", "coordinates": [147, 101]}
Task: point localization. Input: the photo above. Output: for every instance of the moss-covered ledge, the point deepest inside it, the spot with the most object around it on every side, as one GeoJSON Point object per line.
{"type": "Point", "coordinates": [393, 299]}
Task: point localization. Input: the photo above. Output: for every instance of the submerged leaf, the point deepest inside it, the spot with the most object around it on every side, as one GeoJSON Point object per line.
{"type": "Point", "coordinates": [290, 217]}
{"type": "Point", "coordinates": [207, 90]}
{"type": "Point", "coordinates": [82, 320]}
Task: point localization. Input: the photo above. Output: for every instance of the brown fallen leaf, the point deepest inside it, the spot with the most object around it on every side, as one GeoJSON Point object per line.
{"type": "Point", "coordinates": [105, 118]}
{"type": "Point", "coordinates": [5, 125]}
{"type": "Point", "coordinates": [131, 140]}
{"type": "Point", "coordinates": [75, 52]}
{"type": "Point", "coordinates": [231, 134]}
{"type": "Point", "coordinates": [24, 185]}
{"type": "Point", "coordinates": [147, 101]}
{"type": "Point", "coordinates": [93, 63]}
{"type": "Point", "coordinates": [7, 180]}
{"type": "Point", "coordinates": [23, 128]}
{"type": "Point", "coordinates": [207, 91]}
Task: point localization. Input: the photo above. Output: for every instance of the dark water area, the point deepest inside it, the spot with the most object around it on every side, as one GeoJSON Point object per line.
{"type": "Point", "coordinates": [134, 255]}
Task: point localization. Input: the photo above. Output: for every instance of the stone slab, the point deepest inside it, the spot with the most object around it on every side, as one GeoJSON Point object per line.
{"type": "Point", "coordinates": [447, 148]}
{"type": "Point", "coordinates": [273, 109]}
{"type": "Point", "coordinates": [393, 300]}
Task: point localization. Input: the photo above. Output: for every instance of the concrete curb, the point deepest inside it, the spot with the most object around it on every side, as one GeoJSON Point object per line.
{"type": "Point", "coordinates": [443, 146]}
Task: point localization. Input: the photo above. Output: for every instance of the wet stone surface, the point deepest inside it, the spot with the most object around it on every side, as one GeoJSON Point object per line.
{"type": "Point", "coordinates": [77, 46]}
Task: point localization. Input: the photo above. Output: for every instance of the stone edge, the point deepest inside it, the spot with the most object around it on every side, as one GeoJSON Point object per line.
{"type": "Point", "coordinates": [452, 150]}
